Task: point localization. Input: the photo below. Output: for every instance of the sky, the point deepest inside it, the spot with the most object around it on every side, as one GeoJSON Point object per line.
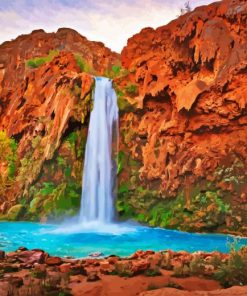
{"type": "Point", "coordinates": [109, 21]}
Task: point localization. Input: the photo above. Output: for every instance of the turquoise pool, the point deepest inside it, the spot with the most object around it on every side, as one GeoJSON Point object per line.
{"type": "Point", "coordinates": [120, 239]}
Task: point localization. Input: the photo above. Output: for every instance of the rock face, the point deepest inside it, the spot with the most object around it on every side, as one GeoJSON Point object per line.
{"type": "Point", "coordinates": [45, 100]}
{"type": "Point", "coordinates": [185, 136]}
{"type": "Point", "coordinates": [183, 127]}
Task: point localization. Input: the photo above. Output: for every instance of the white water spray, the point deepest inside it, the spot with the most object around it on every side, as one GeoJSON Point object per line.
{"type": "Point", "coordinates": [99, 175]}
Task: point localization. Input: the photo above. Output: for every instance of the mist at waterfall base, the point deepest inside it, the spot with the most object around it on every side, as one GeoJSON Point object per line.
{"type": "Point", "coordinates": [94, 230]}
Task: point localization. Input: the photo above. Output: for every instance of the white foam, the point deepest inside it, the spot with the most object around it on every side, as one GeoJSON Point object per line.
{"type": "Point", "coordinates": [93, 227]}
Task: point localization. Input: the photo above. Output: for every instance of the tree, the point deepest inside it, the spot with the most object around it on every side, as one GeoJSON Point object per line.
{"type": "Point", "coordinates": [187, 8]}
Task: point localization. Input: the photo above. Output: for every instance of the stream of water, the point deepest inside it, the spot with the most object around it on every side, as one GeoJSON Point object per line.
{"type": "Point", "coordinates": [99, 174]}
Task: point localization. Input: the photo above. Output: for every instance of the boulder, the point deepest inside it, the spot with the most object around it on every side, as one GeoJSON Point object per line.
{"type": "Point", "coordinates": [65, 267]}
{"type": "Point", "coordinates": [2, 255]}
{"type": "Point", "coordinates": [54, 260]}
{"type": "Point", "coordinates": [139, 266]}
{"type": "Point", "coordinates": [93, 277]}
{"type": "Point", "coordinates": [28, 258]}
{"type": "Point", "coordinates": [106, 267]}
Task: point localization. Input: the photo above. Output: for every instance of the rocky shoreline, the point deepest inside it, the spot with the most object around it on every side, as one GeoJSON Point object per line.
{"type": "Point", "coordinates": [35, 272]}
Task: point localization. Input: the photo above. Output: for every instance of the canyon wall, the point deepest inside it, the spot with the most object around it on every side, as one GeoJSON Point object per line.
{"type": "Point", "coordinates": [184, 121]}
{"type": "Point", "coordinates": [182, 96]}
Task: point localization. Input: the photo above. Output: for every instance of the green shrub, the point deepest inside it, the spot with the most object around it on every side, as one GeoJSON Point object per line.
{"type": "Point", "coordinates": [8, 153]}
{"type": "Point", "coordinates": [197, 266]}
{"type": "Point", "coordinates": [234, 271]}
{"type": "Point", "coordinates": [67, 171]}
{"type": "Point", "coordinates": [124, 209]}
{"type": "Point", "coordinates": [131, 89]}
{"type": "Point", "coordinates": [123, 188]}
{"type": "Point", "coordinates": [224, 208]}
{"type": "Point", "coordinates": [48, 188]}
{"type": "Point", "coordinates": [173, 285]}
{"type": "Point", "coordinates": [165, 262]}
{"type": "Point", "coordinates": [11, 170]}
{"type": "Point", "coordinates": [152, 272]}
{"type": "Point", "coordinates": [39, 61]}
{"type": "Point", "coordinates": [123, 269]}
{"type": "Point", "coordinates": [116, 69]}
{"type": "Point", "coordinates": [71, 139]}
{"type": "Point", "coordinates": [61, 199]}
{"type": "Point", "coordinates": [60, 160]}
{"type": "Point", "coordinates": [181, 271]}
{"type": "Point", "coordinates": [82, 64]}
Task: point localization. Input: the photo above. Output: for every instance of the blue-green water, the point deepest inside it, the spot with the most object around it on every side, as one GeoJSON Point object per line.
{"type": "Point", "coordinates": [118, 239]}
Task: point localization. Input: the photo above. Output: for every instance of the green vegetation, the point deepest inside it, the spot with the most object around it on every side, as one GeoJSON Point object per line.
{"type": "Point", "coordinates": [207, 210]}
{"type": "Point", "coordinates": [196, 266]}
{"type": "Point", "coordinates": [53, 197]}
{"type": "Point", "coordinates": [123, 104]}
{"type": "Point", "coordinates": [60, 160]}
{"type": "Point", "coordinates": [171, 284]}
{"type": "Point", "coordinates": [233, 175]}
{"type": "Point", "coordinates": [152, 272]}
{"type": "Point", "coordinates": [38, 274]}
{"type": "Point", "coordinates": [48, 188]}
{"type": "Point", "coordinates": [116, 71]}
{"type": "Point", "coordinates": [39, 61]}
{"type": "Point", "coordinates": [82, 64]}
{"type": "Point", "coordinates": [120, 162]}
{"type": "Point", "coordinates": [71, 139]}
{"type": "Point", "coordinates": [123, 269]}
{"type": "Point", "coordinates": [228, 270]}
{"type": "Point", "coordinates": [234, 271]}
{"type": "Point", "coordinates": [131, 89]}
{"type": "Point", "coordinates": [53, 200]}
{"type": "Point", "coordinates": [16, 212]}
{"type": "Point", "coordinates": [8, 155]}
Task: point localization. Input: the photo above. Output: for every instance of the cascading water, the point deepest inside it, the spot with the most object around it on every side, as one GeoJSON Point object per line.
{"type": "Point", "coordinates": [99, 175]}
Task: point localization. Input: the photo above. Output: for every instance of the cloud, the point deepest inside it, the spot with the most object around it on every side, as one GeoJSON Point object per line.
{"type": "Point", "coordinates": [109, 21]}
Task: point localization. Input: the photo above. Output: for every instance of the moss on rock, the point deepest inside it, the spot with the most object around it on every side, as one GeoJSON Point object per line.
{"type": "Point", "coordinates": [16, 212]}
{"type": "Point", "coordinates": [207, 211]}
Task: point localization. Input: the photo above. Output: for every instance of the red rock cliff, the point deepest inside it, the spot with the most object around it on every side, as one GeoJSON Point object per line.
{"type": "Point", "coordinates": [44, 97]}
{"type": "Point", "coordinates": [189, 85]}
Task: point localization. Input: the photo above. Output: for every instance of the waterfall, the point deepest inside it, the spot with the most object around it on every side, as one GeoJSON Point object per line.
{"type": "Point", "coordinates": [99, 174]}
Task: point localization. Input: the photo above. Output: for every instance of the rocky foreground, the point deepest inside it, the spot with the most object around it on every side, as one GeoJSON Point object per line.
{"type": "Point", "coordinates": [34, 272]}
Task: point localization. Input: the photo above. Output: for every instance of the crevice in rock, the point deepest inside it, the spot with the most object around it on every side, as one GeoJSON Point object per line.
{"type": "Point", "coordinates": [18, 136]}
{"type": "Point", "coordinates": [22, 102]}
